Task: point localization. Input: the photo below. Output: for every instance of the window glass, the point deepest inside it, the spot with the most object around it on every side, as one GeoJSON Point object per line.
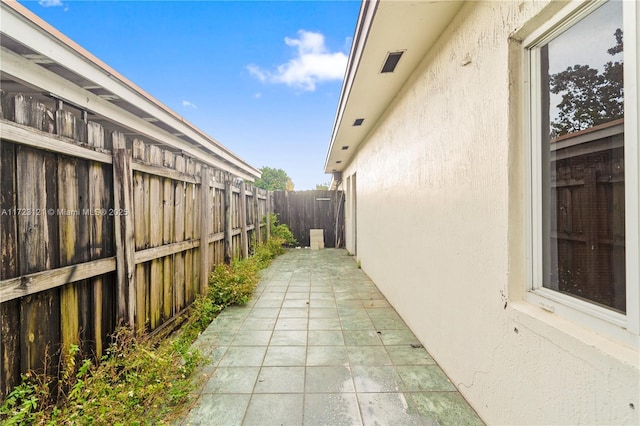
{"type": "Point", "coordinates": [583, 159]}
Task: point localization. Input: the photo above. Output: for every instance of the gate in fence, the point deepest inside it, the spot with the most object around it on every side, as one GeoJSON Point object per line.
{"type": "Point", "coordinates": [306, 210]}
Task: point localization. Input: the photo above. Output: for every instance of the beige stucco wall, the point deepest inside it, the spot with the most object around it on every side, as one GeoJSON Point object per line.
{"type": "Point", "coordinates": [440, 218]}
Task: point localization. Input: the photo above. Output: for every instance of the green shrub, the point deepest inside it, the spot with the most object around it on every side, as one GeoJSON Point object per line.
{"type": "Point", "coordinates": [204, 311]}
{"type": "Point", "coordinates": [23, 403]}
{"type": "Point", "coordinates": [233, 284]}
{"type": "Point", "coordinates": [282, 232]}
{"type": "Point", "coordinates": [266, 252]}
{"type": "Point", "coordinates": [139, 380]}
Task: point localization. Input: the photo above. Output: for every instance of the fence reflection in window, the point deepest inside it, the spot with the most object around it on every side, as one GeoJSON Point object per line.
{"type": "Point", "coordinates": [583, 159]}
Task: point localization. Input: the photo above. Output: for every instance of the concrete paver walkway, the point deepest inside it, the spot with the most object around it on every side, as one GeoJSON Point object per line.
{"type": "Point", "coordinates": [319, 345]}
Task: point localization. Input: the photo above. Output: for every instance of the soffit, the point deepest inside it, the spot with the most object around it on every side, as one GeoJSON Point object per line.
{"type": "Point", "coordinates": [412, 27]}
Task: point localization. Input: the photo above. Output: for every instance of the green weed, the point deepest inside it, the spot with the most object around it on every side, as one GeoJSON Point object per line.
{"type": "Point", "coordinates": [282, 232]}
{"type": "Point", "coordinates": [140, 380]}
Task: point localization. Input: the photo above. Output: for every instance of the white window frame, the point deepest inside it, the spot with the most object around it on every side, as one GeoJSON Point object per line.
{"type": "Point", "coordinates": [621, 327]}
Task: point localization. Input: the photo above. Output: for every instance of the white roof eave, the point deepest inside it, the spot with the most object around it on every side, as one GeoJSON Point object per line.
{"type": "Point", "coordinates": [22, 25]}
{"type": "Point", "coordinates": [384, 26]}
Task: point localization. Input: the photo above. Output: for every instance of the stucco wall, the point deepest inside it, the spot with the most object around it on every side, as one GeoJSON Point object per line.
{"type": "Point", "coordinates": [440, 215]}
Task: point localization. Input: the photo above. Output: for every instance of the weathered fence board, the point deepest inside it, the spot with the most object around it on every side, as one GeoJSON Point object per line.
{"type": "Point", "coordinates": [29, 284]}
{"type": "Point", "coordinates": [168, 212]}
{"type": "Point", "coordinates": [69, 233]}
{"type": "Point", "coordinates": [49, 142]}
{"type": "Point", "coordinates": [10, 310]}
{"type": "Point", "coordinates": [101, 241]}
{"type": "Point", "coordinates": [205, 226]}
{"type": "Point", "coordinates": [180, 199]}
{"type": "Point", "coordinates": [188, 234]}
{"type": "Point", "coordinates": [305, 210]}
{"type": "Point", "coordinates": [100, 230]}
{"type": "Point", "coordinates": [156, 282]}
{"type": "Point", "coordinates": [228, 221]}
{"type": "Point", "coordinates": [36, 173]}
{"type": "Point", "coordinates": [124, 230]}
{"type": "Point", "coordinates": [141, 234]}
{"type": "Point", "coordinates": [242, 217]}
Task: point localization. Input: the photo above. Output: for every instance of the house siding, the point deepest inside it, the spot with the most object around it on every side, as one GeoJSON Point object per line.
{"type": "Point", "coordinates": [440, 219]}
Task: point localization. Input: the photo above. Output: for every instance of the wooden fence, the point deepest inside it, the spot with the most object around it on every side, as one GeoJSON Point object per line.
{"type": "Point", "coordinates": [305, 210]}
{"type": "Point", "coordinates": [98, 230]}
{"type": "Point", "coordinates": [586, 225]}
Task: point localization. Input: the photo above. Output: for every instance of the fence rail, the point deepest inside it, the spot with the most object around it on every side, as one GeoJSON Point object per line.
{"type": "Point", "coordinates": [97, 229]}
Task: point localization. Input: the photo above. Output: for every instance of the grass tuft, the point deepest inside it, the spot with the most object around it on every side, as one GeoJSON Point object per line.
{"type": "Point", "coordinates": [140, 380]}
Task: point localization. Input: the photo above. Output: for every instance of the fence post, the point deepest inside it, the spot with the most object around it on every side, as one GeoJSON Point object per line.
{"type": "Point", "coordinates": [257, 220]}
{"type": "Point", "coordinates": [269, 193]}
{"type": "Point", "coordinates": [205, 220]}
{"type": "Point", "coordinates": [125, 244]}
{"type": "Point", "coordinates": [244, 236]}
{"type": "Point", "coordinates": [228, 225]}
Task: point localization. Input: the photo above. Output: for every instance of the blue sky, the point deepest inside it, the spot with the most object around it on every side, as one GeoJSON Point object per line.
{"type": "Point", "coordinates": [263, 78]}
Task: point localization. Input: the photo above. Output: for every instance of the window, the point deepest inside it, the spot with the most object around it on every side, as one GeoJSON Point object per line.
{"type": "Point", "coordinates": [584, 163]}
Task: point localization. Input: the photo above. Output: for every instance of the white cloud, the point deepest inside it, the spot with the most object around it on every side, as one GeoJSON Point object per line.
{"type": "Point", "coordinates": [348, 41]}
{"type": "Point", "coordinates": [187, 104]}
{"type": "Point", "coordinates": [313, 64]}
{"type": "Point", "coordinates": [257, 72]}
{"type": "Point", "coordinates": [50, 3]}
{"type": "Point", "coordinates": [257, 95]}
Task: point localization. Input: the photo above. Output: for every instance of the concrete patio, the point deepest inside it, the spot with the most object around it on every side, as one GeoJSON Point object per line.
{"type": "Point", "coordinates": [319, 345]}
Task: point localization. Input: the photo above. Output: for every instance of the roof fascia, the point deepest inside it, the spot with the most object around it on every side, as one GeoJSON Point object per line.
{"type": "Point", "coordinates": [365, 20]}
{"type": "Point", "coordinates": [50, 42]}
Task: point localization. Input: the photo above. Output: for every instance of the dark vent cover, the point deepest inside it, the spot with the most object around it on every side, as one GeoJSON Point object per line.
{"type": "Point", "coordinates": [392, 61]}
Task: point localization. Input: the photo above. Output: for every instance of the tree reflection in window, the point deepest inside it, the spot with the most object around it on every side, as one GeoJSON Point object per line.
{"type": "Point", "coordinates": [582, 148]}
{"type": "Point", "coordinates": [589, 96]}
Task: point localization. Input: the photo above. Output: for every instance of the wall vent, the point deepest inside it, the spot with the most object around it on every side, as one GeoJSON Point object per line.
{"type": "Point", "coordinates": [391, 62]}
